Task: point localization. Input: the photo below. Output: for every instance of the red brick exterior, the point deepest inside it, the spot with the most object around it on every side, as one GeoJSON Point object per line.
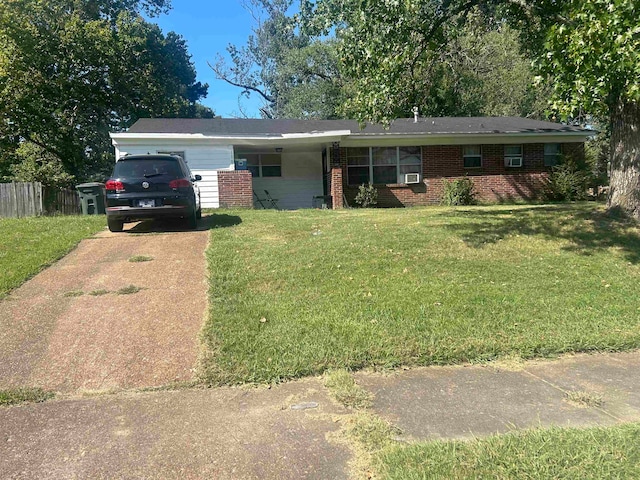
{"type": "Point", "coordinates": [493, 181]}
{"type": "Point", "coordinates": [338, 177]}
{"type": "Point", "coordinates": [235, 188]}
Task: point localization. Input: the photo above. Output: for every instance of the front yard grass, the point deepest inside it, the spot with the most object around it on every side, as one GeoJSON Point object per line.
{"type": "Point", "coordinates": [298, 293]}
{"type": "Point", "coordinates": [593, 453]}
{"type": "Point", "coordinates": [27, 245]}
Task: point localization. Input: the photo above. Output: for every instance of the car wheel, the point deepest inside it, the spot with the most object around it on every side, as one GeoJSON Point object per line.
{"type": "Point", "coordinates": [199, 214]}
{"type": "Point", "coordinates": [115, 225]}
{"type": "Point", "coordinates": [192, 220]}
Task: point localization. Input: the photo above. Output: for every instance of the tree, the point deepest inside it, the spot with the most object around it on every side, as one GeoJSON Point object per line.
{"type": "Point", "coordinates": [588, 48]}
{"type": "Point", "coordinates": [295, 75]}
{"type": "Point", "coordinates": [37, 165]}
{"type": "Point", "coordinates": [72, 71]}
{"type": "Point", "coordinates": [594, 59]}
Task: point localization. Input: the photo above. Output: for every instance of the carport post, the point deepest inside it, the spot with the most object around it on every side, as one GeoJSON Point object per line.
{"type": "Point", "coordinates": [337, 191]}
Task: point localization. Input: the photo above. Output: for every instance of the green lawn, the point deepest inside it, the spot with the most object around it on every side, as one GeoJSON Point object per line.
{"type": "Point", "coordinates": [296, 293]}
{"type": "Point", "coordinates": [594, 453]}
{"type": "Point", "coordinates": [27, 245]}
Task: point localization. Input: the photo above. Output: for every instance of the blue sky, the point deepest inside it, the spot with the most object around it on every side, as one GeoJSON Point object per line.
{"type": "Point", "coordinates": [208, 27]}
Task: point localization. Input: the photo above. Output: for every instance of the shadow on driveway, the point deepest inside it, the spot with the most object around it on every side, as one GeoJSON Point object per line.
{"type": "Point", "coordinates": [208, 222]}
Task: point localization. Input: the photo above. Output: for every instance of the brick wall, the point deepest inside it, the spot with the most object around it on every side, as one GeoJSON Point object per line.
{"type": "Point", "coordinates": [337, 180]}
{"type": "Point", "coordinates": [493, 181]}
{"type": "Point", "coordinates": [235, 188]}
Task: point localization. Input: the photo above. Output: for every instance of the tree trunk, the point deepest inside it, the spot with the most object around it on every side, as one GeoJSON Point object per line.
{"type": "Point", "coordinates": [624, 190]}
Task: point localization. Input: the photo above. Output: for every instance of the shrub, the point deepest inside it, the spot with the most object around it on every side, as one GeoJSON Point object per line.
{"type": "Point", "coordinates": [568, 181]}
{"type": "Point", "coordinates": [367, 196]}
{"type": "Point", "coordinates": [459, 192]}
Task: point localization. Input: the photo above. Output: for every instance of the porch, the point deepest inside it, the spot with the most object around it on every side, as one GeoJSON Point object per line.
{"type": "Point", "coordinates": [293, 175]}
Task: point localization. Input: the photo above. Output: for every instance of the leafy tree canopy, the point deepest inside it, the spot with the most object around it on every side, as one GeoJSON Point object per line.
{"type": "Point", "coordinates": [296, 75]}
{"type": "Point", "coordinates": [72, 71]}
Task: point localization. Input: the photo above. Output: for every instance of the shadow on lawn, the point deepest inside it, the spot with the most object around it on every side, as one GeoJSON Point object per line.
{"type": "Point", "coordinates": [588, 231]}
{"type": "Point", "coordinates": [208, 222]}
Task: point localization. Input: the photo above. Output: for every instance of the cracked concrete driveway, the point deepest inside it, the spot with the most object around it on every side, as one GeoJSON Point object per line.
{"type": "Point", "coordinates": [54, 338]}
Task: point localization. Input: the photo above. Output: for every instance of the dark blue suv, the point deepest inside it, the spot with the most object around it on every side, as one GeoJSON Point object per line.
{"type": "Point", "coordinates": [152, 186]}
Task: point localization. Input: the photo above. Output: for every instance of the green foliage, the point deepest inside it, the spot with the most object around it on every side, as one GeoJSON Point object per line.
{"type": "Point", "coordinates": [71, 73]}
{"type": "Point", "coordinates": [592, 56]}
{"type": "Point", "coordinates": [35, 164]}
{"type": "Point", "coordinates": [597, 154]}
{"type": "Point", "coordinates": [458, 192]}
{"type": "Point", "coordinates": [296, 75]}
{"type": "Point", "coordinates": [568, 181]}
{"type": "Point", "coordinates": [367, 196]}
{"type": "Point", "coordinates": [403, 54]}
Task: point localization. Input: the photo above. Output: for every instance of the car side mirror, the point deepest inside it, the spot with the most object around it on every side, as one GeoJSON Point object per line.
{"type": "Point", "coordinates": [198, 178]}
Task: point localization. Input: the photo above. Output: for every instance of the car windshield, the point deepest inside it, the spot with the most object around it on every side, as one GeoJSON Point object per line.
{"type": "Point", "coordinates": [146, 168]}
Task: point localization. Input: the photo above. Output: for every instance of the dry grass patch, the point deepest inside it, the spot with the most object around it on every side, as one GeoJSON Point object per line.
{"type": "Point", "coordinates": [584, 399]}
{"type": "Point", "coordinates": [343, 387]}
{"type": "Point", "coordinates": [98, 293]}
{"type": "Point", "coordinates": [128, 290]}
{"type": "Point", "coordinates": [140, 258]}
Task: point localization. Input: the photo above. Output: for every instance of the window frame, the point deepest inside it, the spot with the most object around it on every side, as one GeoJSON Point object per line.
{"type": "Point", "coordinates": [467, 155]}
{"type": "Point", "coordinates": [370, 164]}
{"type": "Point", "coordinates": [556, 155]}
{"type": "Point", "coordinates": [261, 164]}
{"type": "Point", "coordinates": [511, 155]}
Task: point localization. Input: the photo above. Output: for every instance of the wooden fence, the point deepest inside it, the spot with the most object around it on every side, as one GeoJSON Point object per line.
{"type": "Point", "coordinates": [31, 199]}
{"type": "Point", "coordinates": [61, 201]}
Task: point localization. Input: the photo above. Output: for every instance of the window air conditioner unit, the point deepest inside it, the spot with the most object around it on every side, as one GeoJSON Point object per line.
{"type": "Point", "coordinates": [411, 178]}
{"type": "Point", "coordinates": [513, 162]}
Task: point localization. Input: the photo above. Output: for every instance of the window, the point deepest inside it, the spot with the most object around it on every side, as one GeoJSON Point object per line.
{"type": "Point", "coordinates": [513, 155]}
{"type": "Point", "coordinates": [472, 155]}
{"type": "Point", "coordinates": [382, 165]}
{"type": "Point", "coordinates": [358, 166]}
{"type": "Point", "coordinates": [263, 164]}
{"type": "Point", "coordinates": [552, 153]}
{"type": "Point", "coordinates": [179, 154]}
{"type": "Point", "coordinates": [410, 161]}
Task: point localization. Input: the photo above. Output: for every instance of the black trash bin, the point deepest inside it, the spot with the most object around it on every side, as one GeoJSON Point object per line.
{"type": "Point", "coordinates": [92, 198]}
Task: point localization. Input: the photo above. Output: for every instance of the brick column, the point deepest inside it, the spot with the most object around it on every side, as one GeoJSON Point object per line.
{"type": "Point", "coordinates": [235, 188]}
{"type": "Point", "coordinates": [337, 189]}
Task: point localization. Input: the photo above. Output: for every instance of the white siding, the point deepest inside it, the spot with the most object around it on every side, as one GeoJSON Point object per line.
{"type": "Point", "coordinates": [301, 180]}
{"type": "Point", "coordinates": [202, 160]}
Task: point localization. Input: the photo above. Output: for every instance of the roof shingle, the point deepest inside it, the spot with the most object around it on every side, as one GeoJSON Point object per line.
{"type": "Point", "coordinates": [276, 127]}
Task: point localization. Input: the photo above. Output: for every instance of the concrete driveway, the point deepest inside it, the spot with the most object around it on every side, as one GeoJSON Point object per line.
{"type": "Point", "coordinates": [69, 330]}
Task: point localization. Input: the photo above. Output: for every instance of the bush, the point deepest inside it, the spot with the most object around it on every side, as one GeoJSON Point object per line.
{"type": "Point", "coordinates": [459, 192]}
{"type": "Point", "coordinates": [37, 165]}
{"type": "Point", "coordinates": [367, 196]}
{"type": "Point", "coordinates": [568, 181]}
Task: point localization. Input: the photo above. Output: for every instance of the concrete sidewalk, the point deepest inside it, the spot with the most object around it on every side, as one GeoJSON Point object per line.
{"type": "Point", "coordinates": [461, 402]}
{"type": "Point", "coordinates": [247, 433]}
{"type": "Point", "coordinates": [222, 433]}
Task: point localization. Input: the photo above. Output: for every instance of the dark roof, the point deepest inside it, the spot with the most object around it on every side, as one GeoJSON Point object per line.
{"type": "Point", "coordinates": [276, 127]}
